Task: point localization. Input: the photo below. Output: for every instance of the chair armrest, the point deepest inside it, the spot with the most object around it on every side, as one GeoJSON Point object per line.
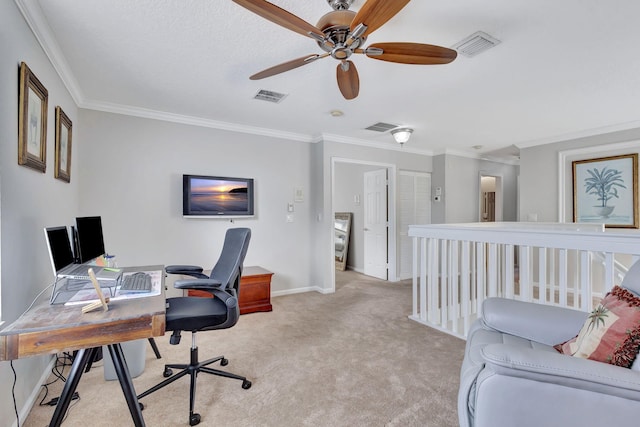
{"type": "Point", "coordinates": [563, 370]}
{"type": "Point", "coordinates": [230, 300]}
{"type": "Point", "coordinates": [536, 322]}
{"type": "Point", "coordinates": [187, 270]}
{"type": "Point", "coordinates": [199, 284]}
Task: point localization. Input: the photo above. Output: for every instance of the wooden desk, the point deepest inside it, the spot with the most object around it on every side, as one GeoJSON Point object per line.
{"type": "Point", "coordinates": [50, 329]}
{"type": "Point", "coordinates": [255, 290]}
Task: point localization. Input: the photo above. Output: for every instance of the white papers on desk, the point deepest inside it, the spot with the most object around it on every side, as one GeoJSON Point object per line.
{"type": "Point", "coordinates": [84, 296]}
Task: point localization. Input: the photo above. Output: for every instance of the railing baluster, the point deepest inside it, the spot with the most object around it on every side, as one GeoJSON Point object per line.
{"type": "Point", "coordinates": [454, 278]}
{"type": "Point", "coordinates": [609, 267]}
{"type": "Point", "coordinates": [434, 280]}
{"type": "Point", "coordinates": [509, 283]}
{"type": "Point", "coordinates": [562, 278]}
{"type": "Point", "coordinates": [481, 260]}
{"type": "Point", "coordinates": [444, 281]}
{"type": "Point", "coordinates": [465, 285]}
{"type": "Point", "coordinates": [414, 280]}
{"type": "Point", "coordinates": [542, 275]}
{"type": "Point", "coordinates": [493, 270]}
{"type": "Point", "coordinates": [424, 281]}
{"type": "Point", "coordinates": [585, 282]}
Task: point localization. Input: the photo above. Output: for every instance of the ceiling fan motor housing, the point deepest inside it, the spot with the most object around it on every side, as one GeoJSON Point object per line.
{"type": "Point", "coordinates": [336, 27]}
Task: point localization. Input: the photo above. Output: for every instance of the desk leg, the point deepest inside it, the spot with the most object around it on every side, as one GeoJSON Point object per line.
{"type": "Point", "coordinates": [120, 365]}
{"type": "Point", "coordinates": [77, 368]}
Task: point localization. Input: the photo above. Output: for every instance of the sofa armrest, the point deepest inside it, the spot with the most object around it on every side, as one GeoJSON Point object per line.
{"type": "Point", "coordinates": [536, 322]}
{"type": "Point", "coordinates": [563, 370]}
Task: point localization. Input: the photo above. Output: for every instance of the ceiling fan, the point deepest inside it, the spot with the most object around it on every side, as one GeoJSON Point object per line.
{"type": "Point", "coordinates": [342, 33]}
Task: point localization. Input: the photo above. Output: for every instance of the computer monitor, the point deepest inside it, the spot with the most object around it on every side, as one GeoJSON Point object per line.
{"type": "Point", "coordinates": [89, 240]}
{"type": "Point", "coordinates": [59, 247]}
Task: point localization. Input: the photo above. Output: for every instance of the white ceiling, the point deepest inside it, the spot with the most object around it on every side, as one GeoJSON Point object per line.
{"type": "Point", "coordinates": [563, 69]}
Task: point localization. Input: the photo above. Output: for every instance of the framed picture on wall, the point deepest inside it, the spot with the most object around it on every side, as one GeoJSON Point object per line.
{"type": "Point", "coordinates": [63, 146]}
{"type": "Point", "coordinates": [32, 121]}
{"type": "Point", "coordinates": [605, 190]}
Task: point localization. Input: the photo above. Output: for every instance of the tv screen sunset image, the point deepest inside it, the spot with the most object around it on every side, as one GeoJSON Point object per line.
{"type": "Point", "coordinates": [218, 196]}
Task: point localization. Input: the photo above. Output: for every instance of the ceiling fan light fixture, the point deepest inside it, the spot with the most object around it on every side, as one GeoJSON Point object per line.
{"type": "Point", "coordinates": [401, 135]}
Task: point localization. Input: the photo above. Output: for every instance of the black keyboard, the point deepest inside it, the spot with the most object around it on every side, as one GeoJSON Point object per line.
{"type": "Point", "coordinates": [136, 282]}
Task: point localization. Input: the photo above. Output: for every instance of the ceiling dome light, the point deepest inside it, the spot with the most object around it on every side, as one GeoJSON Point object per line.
{"type": "Point", "coordinates": [402, 135]}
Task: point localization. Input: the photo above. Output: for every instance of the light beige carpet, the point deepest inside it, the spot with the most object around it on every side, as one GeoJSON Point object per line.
{"type": "Point", "coordinates": [352, 358]}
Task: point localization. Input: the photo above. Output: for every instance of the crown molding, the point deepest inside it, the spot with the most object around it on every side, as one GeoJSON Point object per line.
{"type": "Point", "coordinates": [42, 32]}
{"type": "Point", "coordinates": [580, 134]}
{"type": "Point", "coordinates": [194, 121]}
{"type": "Point", "coordinates": [476, 156]}
{"type": "Point", "coordinates": [406, 148]}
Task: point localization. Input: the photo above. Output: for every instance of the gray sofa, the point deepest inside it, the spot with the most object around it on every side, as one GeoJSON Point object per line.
{"type": "Point", "coordinates": [512, 376]}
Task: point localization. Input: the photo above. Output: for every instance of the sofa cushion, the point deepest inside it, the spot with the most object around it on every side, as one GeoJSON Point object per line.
{"type": "Point", "coordinates": [611, 333]}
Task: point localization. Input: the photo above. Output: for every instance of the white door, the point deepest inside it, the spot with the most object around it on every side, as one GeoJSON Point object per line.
{"type": "Point", "coordinates": [375, 224]}
{"type": "Point", "coordinates": [414, 207]}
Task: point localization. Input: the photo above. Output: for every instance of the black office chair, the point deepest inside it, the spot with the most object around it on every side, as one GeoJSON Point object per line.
{"type": "Point", "coordinates": [204, 314]}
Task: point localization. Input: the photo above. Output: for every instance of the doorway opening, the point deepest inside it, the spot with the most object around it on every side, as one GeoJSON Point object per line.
{"type": "Point", "coordinates": [348, 195]}
{"type": "Point", "coordinates": [490, 204]}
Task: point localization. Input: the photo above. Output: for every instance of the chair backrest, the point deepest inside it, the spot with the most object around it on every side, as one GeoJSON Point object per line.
{"type": "Point", "coordinates": [228, 269]}
{"type": "Point", "coordinates": [631, 280]}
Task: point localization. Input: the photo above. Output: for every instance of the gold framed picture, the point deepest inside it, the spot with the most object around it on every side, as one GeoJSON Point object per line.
{"type": "Point", "coordinates": [32, 121]}
{"type": "Point", "coordinates": [63, 146]}
{"type": "Point", "coordinates": [605, 190]}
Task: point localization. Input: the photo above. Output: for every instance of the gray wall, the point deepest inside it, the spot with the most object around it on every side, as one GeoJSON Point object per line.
{"type": "Point", "coordinates": [539, 173]}
{"type": "Point", "coordinates": [459, 178]}
{"type": "Point", "coordinates": [29, 200]}
{"type": "Point", "coordinates": [131, 175]}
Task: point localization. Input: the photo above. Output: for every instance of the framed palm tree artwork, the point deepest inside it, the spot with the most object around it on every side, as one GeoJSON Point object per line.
{"type": "Point", "coordinates": [605, 190]}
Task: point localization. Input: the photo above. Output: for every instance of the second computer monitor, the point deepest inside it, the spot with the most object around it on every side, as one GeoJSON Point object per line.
{"type": "Point", "coordinates": [89, 240]}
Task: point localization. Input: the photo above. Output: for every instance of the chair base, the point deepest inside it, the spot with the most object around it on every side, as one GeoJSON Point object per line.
{"type": "Point", "coordinates": [193, 369]}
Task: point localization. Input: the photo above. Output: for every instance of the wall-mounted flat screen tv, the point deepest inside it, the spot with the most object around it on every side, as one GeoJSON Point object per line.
{"type": "Point", "coordinates": [216, 196]}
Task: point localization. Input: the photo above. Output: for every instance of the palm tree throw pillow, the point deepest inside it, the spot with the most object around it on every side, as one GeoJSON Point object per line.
{"type": "Point", "coordinates": [611, 333]}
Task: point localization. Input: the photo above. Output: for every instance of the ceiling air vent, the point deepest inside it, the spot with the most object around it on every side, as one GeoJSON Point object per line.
{"type": "Point", "coordinates": [268, 95]}
{"type": "Point", "coordinates": [381, 127]}
{"type": "Point", "coordinates": [476, 43]}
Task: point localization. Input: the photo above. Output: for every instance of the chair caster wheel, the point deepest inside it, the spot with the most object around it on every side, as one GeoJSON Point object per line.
{"type": "Point", "coordinates": [194, 419]}
{"type": "Point", "coordinates": [167, 373]}
{"type": "Point", "coordinates": [224, 362]}
{"type": "Point", "coordinates": [246, 384]}
{"type": "Point", "coordinates": [141, 406]}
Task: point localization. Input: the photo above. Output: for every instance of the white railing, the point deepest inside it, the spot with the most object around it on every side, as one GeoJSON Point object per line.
{"type": "Point", "coordinates": [457, 266]}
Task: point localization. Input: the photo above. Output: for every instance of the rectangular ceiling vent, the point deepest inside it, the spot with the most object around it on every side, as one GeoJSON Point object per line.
{"type": "Point", "coordinates": [268, 95]}
{"type": "Point", "coordinates": [476, 43]}
{"type": "Point", "coordinates": [381, 127]}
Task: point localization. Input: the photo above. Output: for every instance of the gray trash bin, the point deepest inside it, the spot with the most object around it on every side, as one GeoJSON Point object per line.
{"type": "Point", "coordinates": [135, 353]}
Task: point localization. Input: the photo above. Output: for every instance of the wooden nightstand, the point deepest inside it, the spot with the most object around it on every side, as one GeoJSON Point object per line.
{"type": "Point", "coordinates": [255, 290]}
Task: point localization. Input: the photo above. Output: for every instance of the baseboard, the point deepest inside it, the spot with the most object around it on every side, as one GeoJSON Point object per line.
{"type": "Point", "coordinates": [298, 291]}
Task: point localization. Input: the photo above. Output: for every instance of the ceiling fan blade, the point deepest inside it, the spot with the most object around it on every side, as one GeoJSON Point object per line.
{"type": "Point", "coordinates": [411, 53]}
{"type": "Point", "coordinates": [375, 13]}
{"type": "Point", "coordinates": [281, 17]}
{"type": "Point", "coordinates": [286, 66]}
{"type": "Point", "coordinates": [348, 80]}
